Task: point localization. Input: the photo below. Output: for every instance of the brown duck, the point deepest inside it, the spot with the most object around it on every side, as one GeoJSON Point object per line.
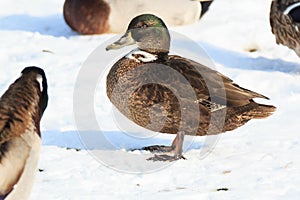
{"type": "Point", "coordinates": [173, 94]}
{"type": "Point", "coordinates": [21, 108]}
{"type": "Point", "coordinates": [284, 20]}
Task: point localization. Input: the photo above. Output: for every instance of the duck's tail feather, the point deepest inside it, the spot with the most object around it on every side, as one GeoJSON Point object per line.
{"type": "Point", "coordinates": [239, 116]}
{"type": "Point", "coordinates": [261, 111]}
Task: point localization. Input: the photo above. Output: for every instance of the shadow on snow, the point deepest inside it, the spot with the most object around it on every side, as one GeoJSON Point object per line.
{"type": "Point", "coordinates": [48, 25]}
{"type": "Point", "coordinates": [231, 59]}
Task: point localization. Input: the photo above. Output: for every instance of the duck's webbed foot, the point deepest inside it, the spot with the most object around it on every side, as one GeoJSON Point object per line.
{"type": "Point", "coordinates": [175, 148]}
{"type": "Point", "coordinates": [158, 148]}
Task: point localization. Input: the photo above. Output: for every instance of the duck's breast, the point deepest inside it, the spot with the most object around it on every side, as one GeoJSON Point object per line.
{"type": "Point", "coordinates": [25, 150]}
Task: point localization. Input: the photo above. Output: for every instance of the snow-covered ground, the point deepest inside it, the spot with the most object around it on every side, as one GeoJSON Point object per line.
{"type": "Point", "coordinates": [257, 161]}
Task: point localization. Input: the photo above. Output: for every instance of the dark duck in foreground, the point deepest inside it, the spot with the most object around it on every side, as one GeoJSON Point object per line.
{"type": "Point", "coordinates": [285, 21]}
{"type": "Point", "coordinates": [141, 85]}
{"type": "Point", "coordinates": [21, 109]}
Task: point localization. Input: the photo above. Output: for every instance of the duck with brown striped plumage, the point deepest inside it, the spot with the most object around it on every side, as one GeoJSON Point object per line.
{"type": "Point", "coordinates": [141, 85]}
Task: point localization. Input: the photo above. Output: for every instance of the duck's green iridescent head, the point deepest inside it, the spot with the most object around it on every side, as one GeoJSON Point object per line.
{"type": "Point", "coordinates": [149, 32]}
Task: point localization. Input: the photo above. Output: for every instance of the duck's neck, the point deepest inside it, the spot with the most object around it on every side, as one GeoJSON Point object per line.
{"type": "Point", "coordinates": [162, 56]}
{"type": "Point", "coordinates": [159, 53]}
{"type": "Point", "coordinates": [147, 56]}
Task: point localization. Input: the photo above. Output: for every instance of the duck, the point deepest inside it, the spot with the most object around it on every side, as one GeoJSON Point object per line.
{"type": "Point", "coordinates": [284, 21]}
{"type": "Point", "coordinates": [111, 16]}
{"type": "Point", "coordinates": [141, 86]}
{"type": "Point", "coordinates": [21, 109]}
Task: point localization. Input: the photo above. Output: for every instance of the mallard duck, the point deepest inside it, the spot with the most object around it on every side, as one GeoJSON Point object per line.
{"type": "Point", "coordinates": [103, 16]}
{"type": "Point", "coordinates": [284, 20]}
{"type": "Point", "coordinates": [131, 88]}
{"type": "Point", "coordinates": [21, 109]}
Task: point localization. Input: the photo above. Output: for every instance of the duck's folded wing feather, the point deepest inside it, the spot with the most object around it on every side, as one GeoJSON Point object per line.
{"type": "Point", "coordinates": [211, 83]}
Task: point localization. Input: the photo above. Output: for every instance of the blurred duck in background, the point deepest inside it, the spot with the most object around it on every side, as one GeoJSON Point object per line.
{"type": "Point", "coordinates": [112, 16]}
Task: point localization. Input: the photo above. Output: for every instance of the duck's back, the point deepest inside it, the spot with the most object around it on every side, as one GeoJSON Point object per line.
{"type": "Point", "coordinates": [20, 142]}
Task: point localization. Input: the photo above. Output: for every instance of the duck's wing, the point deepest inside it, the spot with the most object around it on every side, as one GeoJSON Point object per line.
{"type": "Point", "coordinates": [212, 85]}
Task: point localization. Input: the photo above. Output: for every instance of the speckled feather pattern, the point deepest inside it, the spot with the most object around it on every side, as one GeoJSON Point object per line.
{"type": "Point", "coordinates": [157, 102]}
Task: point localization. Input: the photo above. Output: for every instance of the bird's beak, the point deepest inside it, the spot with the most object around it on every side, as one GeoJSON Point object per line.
{"type": "Point", "coordinates": [125, 40]}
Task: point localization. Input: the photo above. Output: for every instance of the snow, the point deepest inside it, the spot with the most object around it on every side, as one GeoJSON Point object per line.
{"type": "Point", "coordinates": [257, 161]}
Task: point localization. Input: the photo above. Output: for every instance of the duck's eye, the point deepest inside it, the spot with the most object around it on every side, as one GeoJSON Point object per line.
{"type": "Point", "coordinates": [144, 26]}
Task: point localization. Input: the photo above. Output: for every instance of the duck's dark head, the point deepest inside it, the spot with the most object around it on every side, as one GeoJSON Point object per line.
{"type": "Point", "coordinates": [39, 75]}
{"type": "Point", "coordinates": [149, 32]}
